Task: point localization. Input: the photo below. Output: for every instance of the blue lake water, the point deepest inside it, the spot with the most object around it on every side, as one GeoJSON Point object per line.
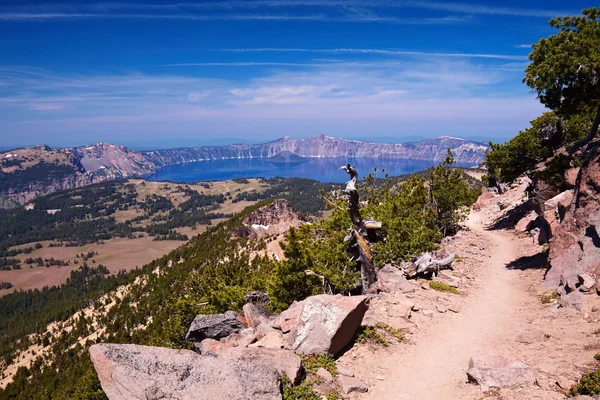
{"type": "Point", "coordinates": [319, 169]}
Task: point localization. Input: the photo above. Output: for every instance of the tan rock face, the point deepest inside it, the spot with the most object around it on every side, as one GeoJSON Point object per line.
{"type": "Point", "coordinates": [132, 372]}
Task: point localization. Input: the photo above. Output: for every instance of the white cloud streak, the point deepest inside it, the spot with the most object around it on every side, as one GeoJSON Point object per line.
{"type": "Point", "coordinates": [456, 7]}
{"type": "Point", "coordinates": [420, 94]}
{"type": "Point", "coordinates": [374, 11]}
{"type": "Point", "coordinates": [385, 52]}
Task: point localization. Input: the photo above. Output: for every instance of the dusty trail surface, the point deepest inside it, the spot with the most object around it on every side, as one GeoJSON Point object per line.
{"type": "Point", "coordinates": [435, 367]}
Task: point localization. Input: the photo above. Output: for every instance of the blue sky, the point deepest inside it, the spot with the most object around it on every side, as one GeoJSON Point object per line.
{"type": "Point", "coordinates": [153, 72]}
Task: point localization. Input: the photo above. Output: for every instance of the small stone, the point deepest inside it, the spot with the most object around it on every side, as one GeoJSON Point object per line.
{"type": "Point", "coordinates": [425, 286]}
{"type": "Point", "coordinates": [427, 313]}
{"type": "Point", "coordinates": [380, 378]}
{"type": "Point", "coordinates": [350, 385]}
{"type": "Point", "coordinates": [288, 325]}
{"type": "Point", "coordinates": [454, 309]}
{"type": "Point", "coordinates": [532, 337]}
{"type": "Point", "coordinates": [440, 308]}
{"type": "Point", "coordinates": [415, 307]}
{"type": "Point", "coordinates": [324, 375]}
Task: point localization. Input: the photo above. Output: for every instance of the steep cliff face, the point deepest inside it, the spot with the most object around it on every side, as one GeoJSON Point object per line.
{"type": "Point", "coordinates": [34, 171]}
{"type": "Point", "coordinates": [30, 172]}
{"type": "Point", "coordinates": [326, 146]}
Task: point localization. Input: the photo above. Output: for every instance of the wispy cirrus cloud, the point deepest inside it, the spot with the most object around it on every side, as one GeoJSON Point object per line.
{"type": "Point", "coordinates": [338, 98]}
{"type": "Point", "coordinates": [359, 11]}
{"type": "Point", "coordinates": [11, 16]}
{"type": "Point", "coordinates": [385, 52]}
{"type": "Point", "coordinates": [349, 5]}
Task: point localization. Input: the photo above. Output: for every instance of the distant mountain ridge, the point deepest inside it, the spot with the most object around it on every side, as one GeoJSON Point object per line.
{"type": "Point", "coordinates": [29, 172]}
{"type": "Point", "coordinates": [464, 151]}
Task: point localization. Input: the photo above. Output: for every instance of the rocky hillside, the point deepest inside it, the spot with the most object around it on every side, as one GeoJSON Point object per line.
{"type": "Point", "coordinates": [29, 172]}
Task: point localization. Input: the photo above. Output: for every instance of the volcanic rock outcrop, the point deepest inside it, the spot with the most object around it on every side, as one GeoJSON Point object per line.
{"type": "Point", "coordinates": [575, 247]}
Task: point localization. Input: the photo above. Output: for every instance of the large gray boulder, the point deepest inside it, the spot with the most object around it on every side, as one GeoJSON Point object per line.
{"type": "Point", "coordinates": [133, 372]}
{"type": "Point", "coordinates": [494, 370]}
{"type": "Point", "coordinates": [215, 326]}
{"type": "Point", "coordinates": [326, 324]}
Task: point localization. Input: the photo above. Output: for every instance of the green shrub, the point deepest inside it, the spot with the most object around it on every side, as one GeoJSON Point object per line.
{"type": "Point", "coordinates": [392, 331]}
{"type": "Point", "coordinates": [368, 333]}
{"type": "Point", "coordinates": [589, 384]}
{"type": "Point", "coordinates": [312, 362]}
{"type": "Point", "coordinates": [302, 391]}
{"type": "Point", "coordinates": [442, 287]}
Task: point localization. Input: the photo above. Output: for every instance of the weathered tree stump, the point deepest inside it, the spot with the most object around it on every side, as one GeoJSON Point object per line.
{"type": "Point", "coordinates": [428, 264]}
{"type": "Point", "coordinates": [358, 233]}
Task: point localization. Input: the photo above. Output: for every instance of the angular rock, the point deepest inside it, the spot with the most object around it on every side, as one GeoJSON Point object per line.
{"type": "Point", "coordinates": [210, 347]}
{"type": "Point", "coordinates": [256, 314]}
{"type": "Point", "coordinates": [571, 176]}
{"type": "Point", "coordinates": [586, 282]}
{"type": "Point", "coordinates": [288, 325]}
{"type": "Point", "coordinates": [527, 222]}
{"type": "Point", "coordinates": [291, 314]}
{"type": "Point", "coordinates": [573, 300]}
{"type": "Point", "coordinates": [272, 340]}
{"type": "Point", "coordinates": [263, 330]}
{"type": "Point", "coordinates": [133, 372]}
{"type": "Point", "coordinates": [327, 324]}
{"type": "Point", "coordinates": [324, 375]}
{"type": "Point", "coordinates": [285, 362]}
{"type": "Point", "coordinates": [494, 370]}
{"type": "Point", "coordinates": [216, 326]}
{"type": "Point", "coordinates": [392, 280]}
{"type": "Point", "coordinates": [349, 384]}
{"type": "Point", "coordinates": [483, 200]}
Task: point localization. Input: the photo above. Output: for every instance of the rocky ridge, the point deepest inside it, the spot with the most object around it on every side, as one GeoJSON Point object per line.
{"type": "Point", "coordinates": [101, 162]}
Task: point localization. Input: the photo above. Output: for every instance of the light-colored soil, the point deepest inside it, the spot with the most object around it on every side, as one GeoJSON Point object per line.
{"type": "Point", "coordinates": [500, 300]}
{"type": "Point", "coordinates": [473, 173]}
{"type": "Point", "coordinates": [118, 254]}
{"type": "Point", "coordinates": [115, 254]}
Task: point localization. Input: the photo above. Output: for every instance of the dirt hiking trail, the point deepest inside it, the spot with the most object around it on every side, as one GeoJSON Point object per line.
{"type": "Point", "coordinates": [435, 367]}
